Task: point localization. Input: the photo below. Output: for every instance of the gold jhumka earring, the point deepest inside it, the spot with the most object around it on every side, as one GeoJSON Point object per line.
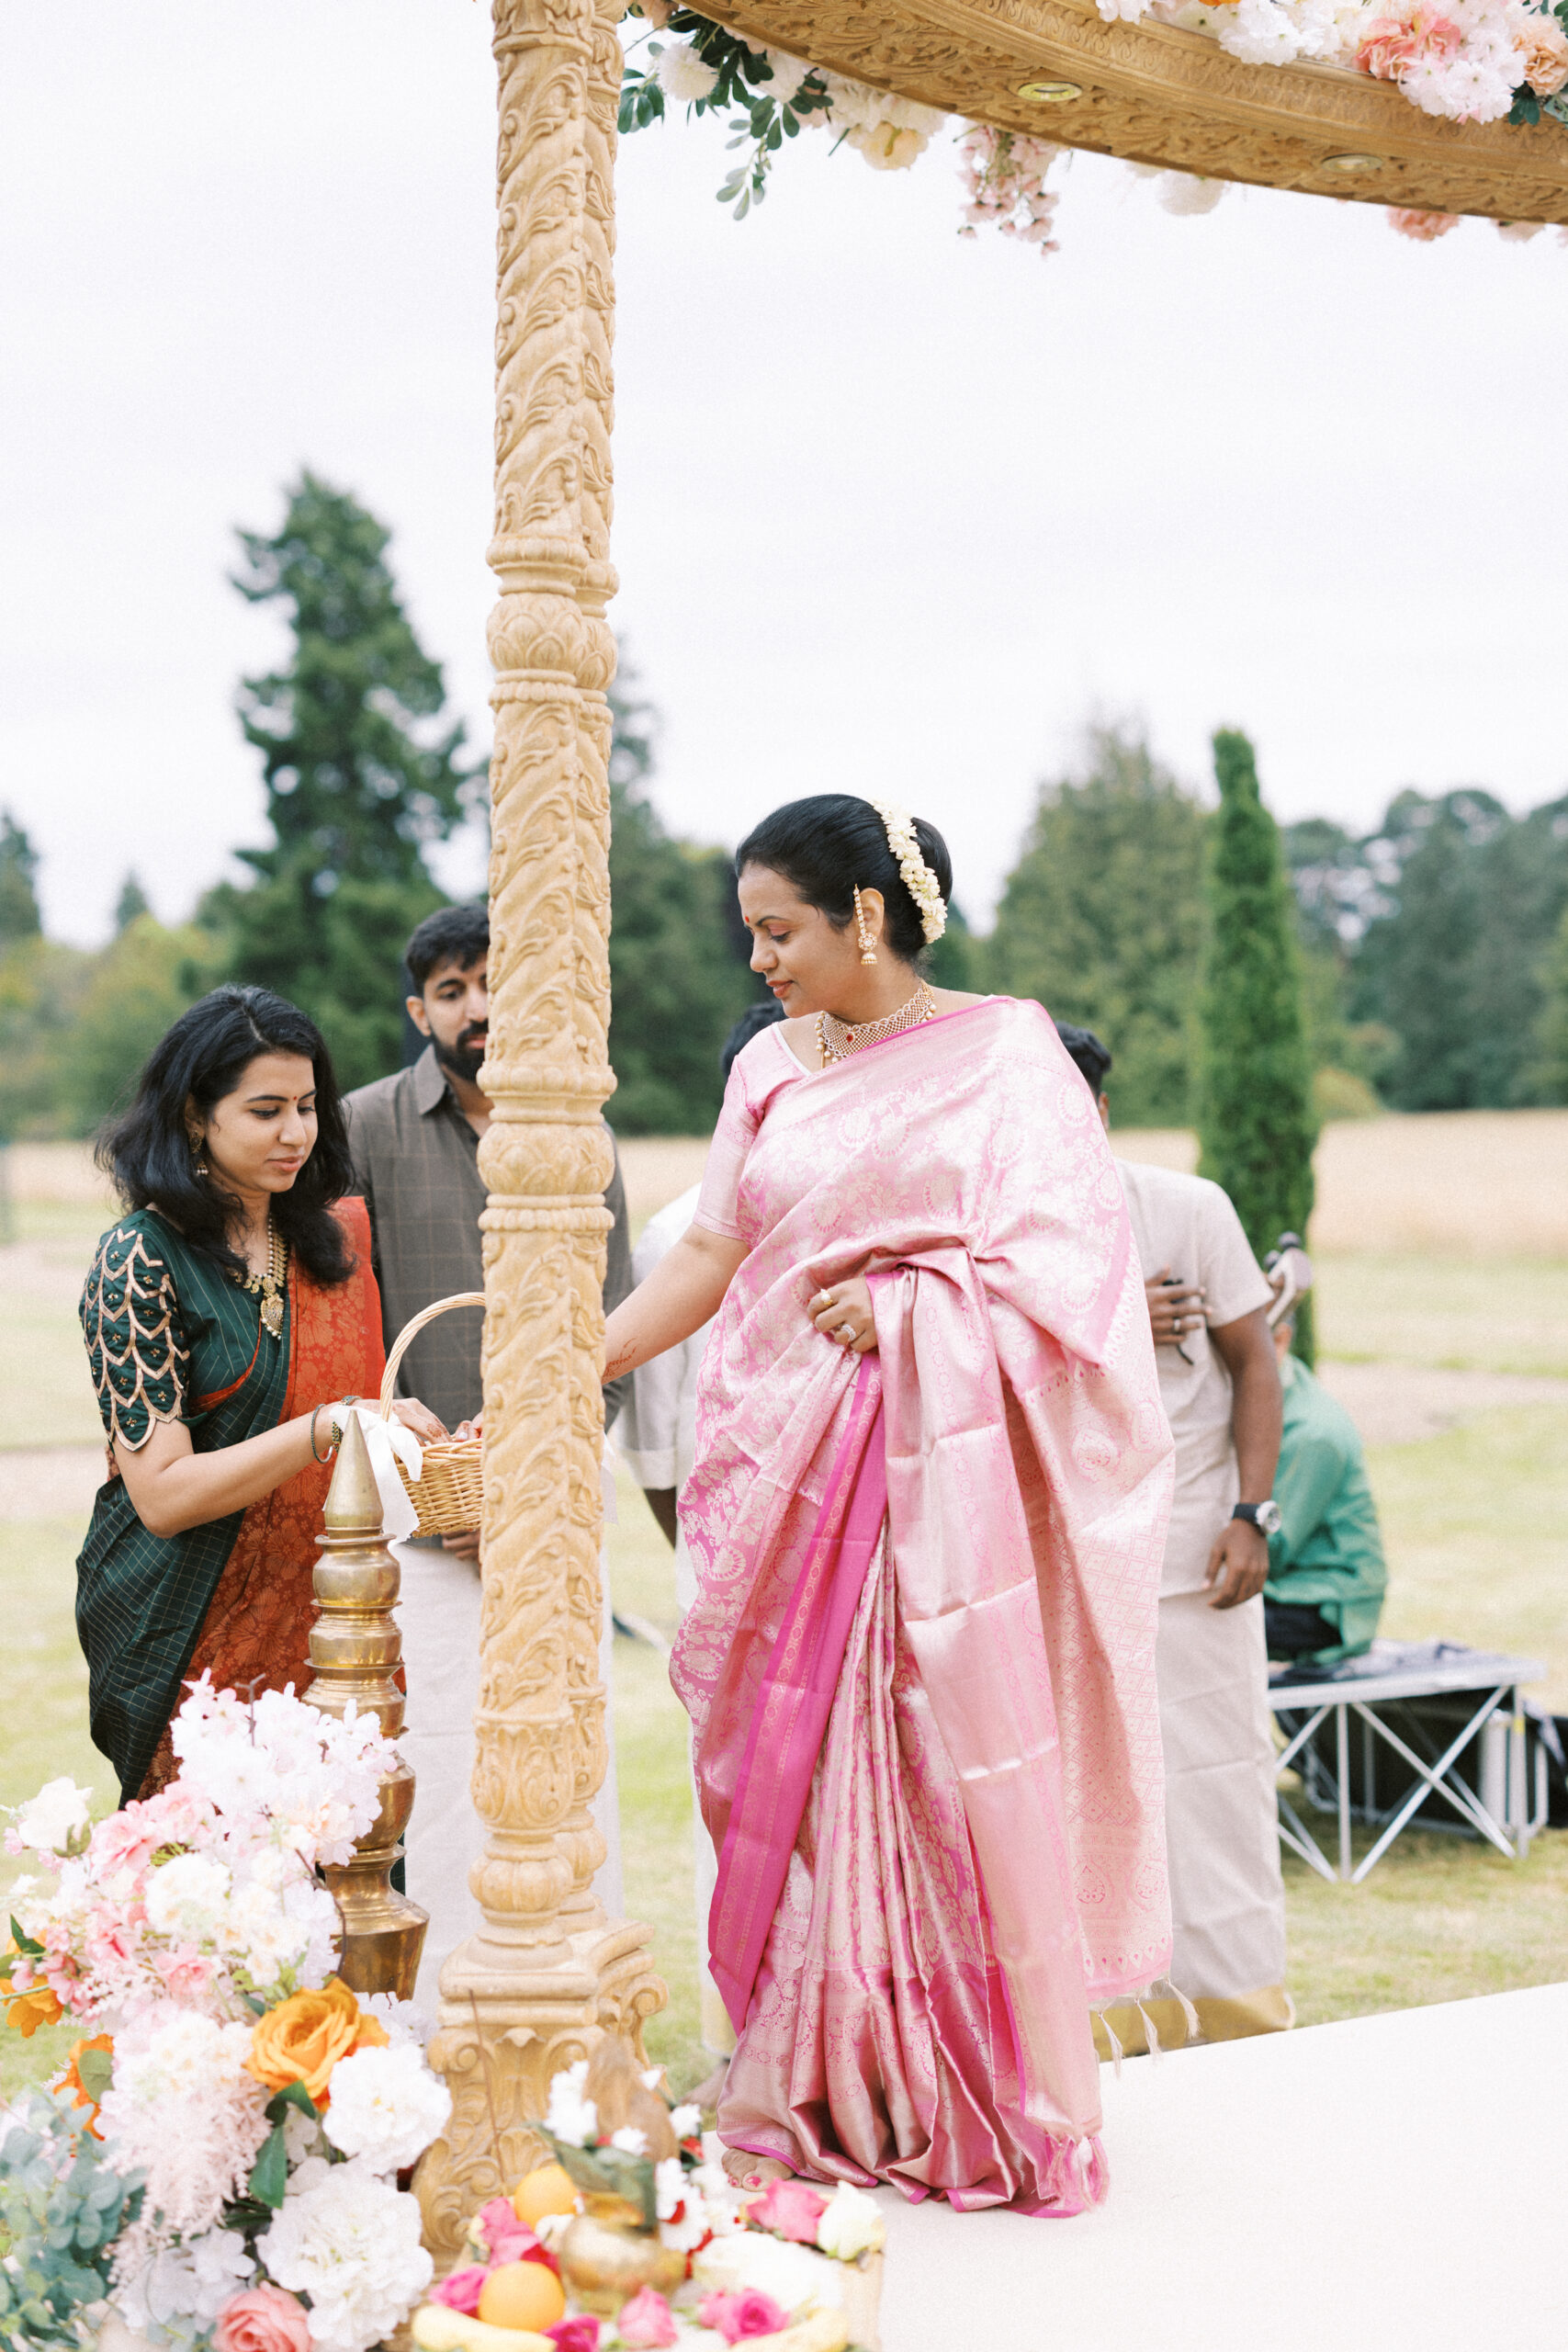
{"type": "Point", "coordinates": [867, 945]}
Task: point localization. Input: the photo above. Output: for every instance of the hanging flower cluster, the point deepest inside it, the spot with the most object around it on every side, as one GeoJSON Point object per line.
{"type": "Point", "coordinates": [1467, 61]}
{"type": "Point", "coordinates": [237, 2128]}
{"type": "Point", "coordinates": [1004, 178]}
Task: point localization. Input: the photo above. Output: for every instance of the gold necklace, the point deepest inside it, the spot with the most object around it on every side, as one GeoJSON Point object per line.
{"type": "Point", "coordinates": [837, 1039]}
{"type": "Point", "coordinates": [271, 1283]}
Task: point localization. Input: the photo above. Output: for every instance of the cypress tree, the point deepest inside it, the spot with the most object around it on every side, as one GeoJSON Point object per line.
{"type": "Point", "coordinates": [19, 917]}
{"type": "Point", "coordinates": [1255, 1122]}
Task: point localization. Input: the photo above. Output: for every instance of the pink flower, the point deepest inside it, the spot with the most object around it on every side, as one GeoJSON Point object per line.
{"type": "Point", "coordinates": [1394, 42]}
{"type": "Point", "coordinates": [187, 1972]}
{"type": "Point", "coordinates": [646, 2323]}
{"type": "Point", "coordinates": [262, 2319]}
{"type": "Point", "coordinates": [126, 1842]}
{"type": "Point", "coordinates": [509, 2239]}
{"type": "Point", "coordinates": [790, 2209]}
{"type": "Point", "coordinates": [742, 2313]}
{"type": "Point", "coordinates": [459, 2290]}
{"type": "Point", "coordinates": [1422, 226]}
{"type": "Point", "coordinates": [580, 2334]}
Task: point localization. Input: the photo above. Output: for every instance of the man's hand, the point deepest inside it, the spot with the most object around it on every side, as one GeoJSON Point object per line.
{"type": "Point", "coordinates": [842, 1312]}
{"type": "Point", "coordinates": [1174, 1307]}
{"type": "Point", "coordinates": [462, 1547]}
{"type": "Point", "coordinates": [1238, 1565]}
{"type": "Point", "coordinates": [661, 1501]}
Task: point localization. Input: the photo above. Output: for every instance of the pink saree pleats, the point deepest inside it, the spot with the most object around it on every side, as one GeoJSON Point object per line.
{"type": "Point", "coordinates": [920, 1666]}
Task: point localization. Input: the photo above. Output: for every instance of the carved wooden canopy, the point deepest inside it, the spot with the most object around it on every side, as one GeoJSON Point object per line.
{"type": "Point", "coordinates": [1156, 96]}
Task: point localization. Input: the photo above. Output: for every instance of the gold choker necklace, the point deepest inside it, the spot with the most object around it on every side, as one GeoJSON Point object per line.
{"type": "Point", "coordinates": [838, 1039]}
{"type": "Point", "coordinates": [271, 1284]}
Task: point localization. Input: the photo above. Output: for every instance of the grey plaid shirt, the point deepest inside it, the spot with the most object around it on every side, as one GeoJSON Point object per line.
{"type": "Point", "coordinates": [417, 1161]}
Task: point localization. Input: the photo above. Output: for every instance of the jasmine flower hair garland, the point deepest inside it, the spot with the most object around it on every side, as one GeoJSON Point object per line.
{"type": "Point", "coordinates": [918, 879]}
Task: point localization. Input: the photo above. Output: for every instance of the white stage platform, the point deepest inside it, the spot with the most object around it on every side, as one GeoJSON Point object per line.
{"type": "Point", "coordinates": [1394, 2184]}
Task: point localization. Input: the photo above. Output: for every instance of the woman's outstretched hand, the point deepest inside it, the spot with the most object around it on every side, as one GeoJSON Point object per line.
{"type": "Point", "coordinates": [842, 1312]}
{"type": "Point", "coordinates": [420, 1419]}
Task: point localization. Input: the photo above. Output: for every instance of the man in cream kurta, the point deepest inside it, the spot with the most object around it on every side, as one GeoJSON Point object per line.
{"type": "Point", "coordinates": [1220, 1388]}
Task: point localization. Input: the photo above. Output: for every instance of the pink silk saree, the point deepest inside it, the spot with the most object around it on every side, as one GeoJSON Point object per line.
{"type": "Point", "coordinates": [920, 1665]}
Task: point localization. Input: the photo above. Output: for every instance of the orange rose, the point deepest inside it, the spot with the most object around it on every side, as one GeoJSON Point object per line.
{"type": "Point", "coordinates": [25, 2012]}
{"type": "Point", "coordinates": [72, 2078]}
{"type": "Point", "coordinates": [302, 2039]}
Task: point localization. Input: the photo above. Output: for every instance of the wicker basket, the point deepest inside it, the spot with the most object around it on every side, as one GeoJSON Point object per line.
{"type": "Point", "coordinates": [450, 1492]}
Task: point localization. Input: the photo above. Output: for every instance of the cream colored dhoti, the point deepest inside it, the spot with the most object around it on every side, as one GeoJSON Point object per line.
{"type": "Point", "coordinates": [439, 1616]}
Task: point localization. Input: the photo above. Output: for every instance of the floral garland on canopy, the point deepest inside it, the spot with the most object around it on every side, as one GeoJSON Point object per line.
{"type": "Point", "coordinates": [1467, 61]}
{"type": "Point", "coordinates": [218, 2164]}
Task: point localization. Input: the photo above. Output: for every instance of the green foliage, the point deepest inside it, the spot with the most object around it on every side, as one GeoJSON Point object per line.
{"type": "Point", "coordinates": [41, 986]}
{"type": "Point", "coordinates": [362, 772]}
{"type": "Point", "coordinates": [1256, 1128]}
{"type": "Point", "coordinates": [1102, 920]}
{"type": "Point", "coordinates": [61, 2208]}
{"type": "Point", "coordinates": [131, 902]}
{"type": "Point", "coordinates": [678, 978]}
{"type": "Point", "coordinates": [135, 987]}
{"type": "Point", "coordinates": [19, 917]}
{"type": "Point", "coordinates": [744, 92]}
{"type": "Point", "coordinates": [1440, 920]}
{"type": "Point", "coordinates": [1550, 1072]}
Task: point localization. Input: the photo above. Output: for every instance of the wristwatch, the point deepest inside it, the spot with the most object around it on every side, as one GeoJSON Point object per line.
{"type": "Point", "coordinates": [1268, 1518]}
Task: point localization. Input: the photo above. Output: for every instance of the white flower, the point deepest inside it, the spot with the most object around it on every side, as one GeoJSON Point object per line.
{"type": "Point", "coordinates": [670, 2185]}
{"type": "Point", "coordinates": [188, 1897]}
{"type": "Point", "coordinates": [54, 1818]}
{"type": "Point", "coordinates": [1129, 9]}
{"type": "Point", "coordinates": [629, 2140]}
{"type": "Point", "coordinates": [402, 2020]}
{"type": "Point", "coordinates": [350, 2241]}
{"type": "Point", "coordinates": [685, 2121]}
{"type": "Point", "coordinates": [796, 2276]}
{"type": "Point", "coordinates": [386, 2106]}
{"type": "Point", "coordinates": [888, 131]}
{"type": "Point", "coordinates": [918, 879]}
{"type": "Point", "coordinates": [1184, 192]}
{"type": "Point", "coordinates": [681, 74]}
{"type": "Point", "coordinates": [789, 72]}
{"type": "Point", "coordinates": [569, 2116]}
{"type": "Point", "coordinates": [1259, 33]}
{"type": "Point", "coordinates": [184, 2110]}
{"type": "Point", "coordinates": [851, 2226]}
{"type": "Point", "coordinates": [173, 2296]}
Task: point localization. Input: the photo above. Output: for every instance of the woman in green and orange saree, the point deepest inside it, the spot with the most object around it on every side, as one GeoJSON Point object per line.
{"type": "Point", "coordinates": [226, 1315]}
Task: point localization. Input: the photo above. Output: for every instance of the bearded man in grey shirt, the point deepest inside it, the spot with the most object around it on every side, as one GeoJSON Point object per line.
{"type": "Point", "coordinates": [416, 1140]}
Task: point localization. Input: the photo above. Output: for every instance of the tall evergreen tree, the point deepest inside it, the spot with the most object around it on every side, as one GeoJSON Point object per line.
{"type": "Point", "coordinates": [130, 904]}
{"type": "Point", "coordinates": [678, 975]}
{"type": "Point", "coordinates": [19, 916]}
{"type": "Point", "coordinates": [1256, 1126]}
{"type": "Point", "coordinates": [363, 772]}
{"type": "Point", "coordinates": [1550, 1072]}
{"type": "Point", "coordinates": [1102, 920]}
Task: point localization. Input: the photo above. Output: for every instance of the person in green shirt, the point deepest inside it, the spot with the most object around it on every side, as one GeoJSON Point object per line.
{"type": "Point", "coordinates": [1326, 1579]}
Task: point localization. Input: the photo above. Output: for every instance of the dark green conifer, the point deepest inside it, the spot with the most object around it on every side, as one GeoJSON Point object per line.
{"type": "Point", "coordinates": [1255, 1122]}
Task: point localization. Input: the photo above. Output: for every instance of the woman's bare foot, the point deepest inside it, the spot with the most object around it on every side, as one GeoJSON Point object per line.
{"type": "Point", "coordinates": [753, 2172]}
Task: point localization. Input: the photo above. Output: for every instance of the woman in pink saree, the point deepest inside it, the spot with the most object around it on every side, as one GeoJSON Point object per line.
{"type": "Point", "coordinates": [928, 1512]}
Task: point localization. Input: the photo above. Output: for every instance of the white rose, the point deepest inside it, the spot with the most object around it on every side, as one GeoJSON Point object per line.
{"type": "Point", "coordinates": [681, 74]}
{"type": "Point", "coordinates": [794, 2275]}
{"type": "Point", "coordinates": [187, 1896]}
{"type": "Point", "coordinates": [386, 2106]}
{"type": "Point", "coordinates": [56, 1817]}
{"type": "Point", "coordinates": [851, 2226]}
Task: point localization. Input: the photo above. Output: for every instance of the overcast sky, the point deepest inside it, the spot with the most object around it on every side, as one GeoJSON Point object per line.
{"type": "Point", "coordinates": [895, 512]}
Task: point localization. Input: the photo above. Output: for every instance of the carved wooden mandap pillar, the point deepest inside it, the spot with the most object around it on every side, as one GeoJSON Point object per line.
{"type": "Point", "coordinates": [550, 1970]}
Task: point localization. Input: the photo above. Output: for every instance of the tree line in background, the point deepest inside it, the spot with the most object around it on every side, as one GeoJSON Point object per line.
{"type": "Point", "coordinates": [1428, 969]}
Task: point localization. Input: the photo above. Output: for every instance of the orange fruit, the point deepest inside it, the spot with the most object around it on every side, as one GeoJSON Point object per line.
{"type": "Point", "coordinates": [522, 2294]}
{"type": "Point", "coordinates": [546, 2190]}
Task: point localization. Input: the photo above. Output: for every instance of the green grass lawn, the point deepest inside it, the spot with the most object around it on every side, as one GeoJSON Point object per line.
{"type": "Point", "coordinates": [1464, 1314]}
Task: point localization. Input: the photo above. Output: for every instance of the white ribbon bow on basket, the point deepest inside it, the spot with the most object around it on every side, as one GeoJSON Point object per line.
{"type": "Point", "coordinates": [388, 1444]}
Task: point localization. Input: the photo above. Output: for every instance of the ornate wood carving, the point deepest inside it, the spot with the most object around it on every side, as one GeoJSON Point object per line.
{"type": "Point", "coordinates": [550, 1972]}
{"type": "Point", "coordinates": [1158, 95]}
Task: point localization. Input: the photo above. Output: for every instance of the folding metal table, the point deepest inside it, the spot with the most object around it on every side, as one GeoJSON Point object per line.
{"type": "Point", "coordinates": [1501, 1811]}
